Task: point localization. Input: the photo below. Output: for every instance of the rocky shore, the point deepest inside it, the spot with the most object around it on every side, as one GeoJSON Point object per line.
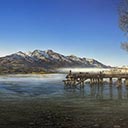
{"type": "Point", "coordinates": [63, 114]}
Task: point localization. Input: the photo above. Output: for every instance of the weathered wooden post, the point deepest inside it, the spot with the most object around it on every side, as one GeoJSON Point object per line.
{"type": "Point", "coordinates": [101, 80]}
{"type": "Point", "coordinates": [101, 77]}
{"type": "Point", "coordinates": [83, 82]}
{"type": "Point", "coordinates": [91, 80]}
{"type": "Point", "coordinates": [69, 78]}
{"type": "Point", "coordinates": [126, 81]}
{"type": "Point", "coordinates": [98, 80]}
{"type": "Point", "coordinates": [119, 82]}
{"type": "Point", "coordinates": [110, 80]}
{"type": "Point", "coordinates": [95, 80]}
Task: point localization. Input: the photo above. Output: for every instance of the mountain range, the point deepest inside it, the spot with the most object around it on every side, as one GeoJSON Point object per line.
{"type": "Point", "coordinates": [43, 61]}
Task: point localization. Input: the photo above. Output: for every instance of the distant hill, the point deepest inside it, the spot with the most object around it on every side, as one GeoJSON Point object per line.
{"type": "Point", "coordinates": [43, 61]}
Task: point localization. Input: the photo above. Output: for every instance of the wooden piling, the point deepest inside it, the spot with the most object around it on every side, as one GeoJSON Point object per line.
{"type": "Point", "coordinates": [119, 82]}
{"type": "Point", "coordinates": [110, 80]}
{"type": "Point", "coordinates": [126, 81]}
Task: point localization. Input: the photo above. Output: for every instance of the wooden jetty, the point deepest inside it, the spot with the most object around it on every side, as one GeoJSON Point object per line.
{"type": "Point", "coordinates": [74, 79]}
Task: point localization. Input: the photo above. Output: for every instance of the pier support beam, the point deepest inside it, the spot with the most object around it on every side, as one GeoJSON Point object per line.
{"type": "Point", "coordinates": [119, 82]}
{"type": "Point", "coordinates": [126, 81]}
{"type": "Point", "coordinates": [110, 80]}
{"type": "Point", "coordinates": [101, 80]}
{"type": "Point", "coordinates": [95, 80]}
{"type": "Point", "coordinates": [98, 80]}
{"type": "Point", "coordinates": [91, 81]}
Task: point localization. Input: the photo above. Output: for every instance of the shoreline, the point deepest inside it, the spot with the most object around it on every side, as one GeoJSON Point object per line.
{"type": "Point", "coordinates": [60, 70]}
{"type": "Point", "coordinates": [63, 114]}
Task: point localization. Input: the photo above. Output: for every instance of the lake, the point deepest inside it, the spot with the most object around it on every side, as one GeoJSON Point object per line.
{"type": "Point", "coordinates": [51, 85]}
{"type": "Point", "coordinates": [43, 101]}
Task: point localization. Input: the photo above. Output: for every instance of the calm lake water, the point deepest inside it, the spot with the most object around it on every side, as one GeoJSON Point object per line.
{"type": "Point", "coordinates": [51, 86]}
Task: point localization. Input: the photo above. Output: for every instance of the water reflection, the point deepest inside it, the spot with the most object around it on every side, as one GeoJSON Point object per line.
{"type": "Point", "coordinates": [119, 90]}
{"type": "Point", "coordinates": [99, 91]}
{"type": "Point", "coordinates": [74, 91]}
{"type": "Point", "coordinates": [92, 90]}
{"type": "Point", "coordinates": [111, 91]}
{"type": "Point", "coordinates": [96, 91]}
{"type": "Point", "coordinates": [126, 91]}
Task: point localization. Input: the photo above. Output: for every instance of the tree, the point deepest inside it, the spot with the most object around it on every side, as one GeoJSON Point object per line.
{"type": "Point", "coordinates": [124, 46]}
{"type": "Point", "coordinates": [123, 21]}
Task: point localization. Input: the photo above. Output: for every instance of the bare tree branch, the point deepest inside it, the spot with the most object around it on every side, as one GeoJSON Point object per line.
{"type": "Point", "coordinates": [123, 15]}
{"type": "Point", "coordinates": [123, 21]}
{"type": "Point", "coordinates": [124, 46]}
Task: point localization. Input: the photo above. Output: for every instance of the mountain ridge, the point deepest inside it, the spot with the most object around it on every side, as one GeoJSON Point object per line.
{"type": "Point", "coordinates": [43, 61]}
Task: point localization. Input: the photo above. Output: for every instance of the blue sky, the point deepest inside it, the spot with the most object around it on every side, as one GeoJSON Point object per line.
{"type": "Point", "coordinates": [86, 28]}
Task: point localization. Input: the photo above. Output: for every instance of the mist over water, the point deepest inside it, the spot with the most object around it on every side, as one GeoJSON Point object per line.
{"type": "Point", "coordinates": [51, 86]}
{"type": "Point", "coordinates": [83, 69]}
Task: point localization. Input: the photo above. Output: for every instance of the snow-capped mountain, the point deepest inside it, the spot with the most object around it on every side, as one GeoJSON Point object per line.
{"type": "Point", "coordinates": [43, 61]}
